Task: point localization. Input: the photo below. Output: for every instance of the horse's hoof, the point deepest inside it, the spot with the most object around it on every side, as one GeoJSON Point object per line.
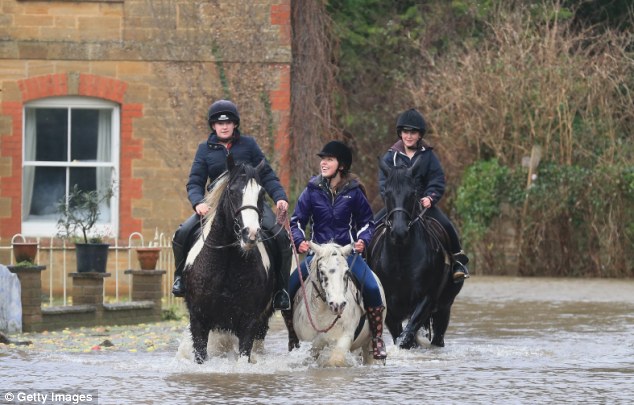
{"type": "Point", "coordinates": [337, 360]}
{"type": "Point", "coordinates": [407, 341]}
{"type": "Point", "coordinates": [293, 344]}
{"type": "Point", "coordinates": [440, 342]}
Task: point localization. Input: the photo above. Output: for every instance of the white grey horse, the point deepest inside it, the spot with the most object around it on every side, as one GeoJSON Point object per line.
{"type": "Point", "coordinates": [331, 294]}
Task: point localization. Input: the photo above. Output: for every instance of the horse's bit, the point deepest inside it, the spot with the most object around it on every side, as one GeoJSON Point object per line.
{"type": "Point", "coordinates": [418, 217]}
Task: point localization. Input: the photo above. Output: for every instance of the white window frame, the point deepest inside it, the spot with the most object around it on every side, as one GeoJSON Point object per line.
{"type": "Point", "coordinates": [49, 228]}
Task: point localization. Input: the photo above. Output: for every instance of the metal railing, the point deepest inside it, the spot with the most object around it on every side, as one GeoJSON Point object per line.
{"type": "Point", "coordinates": [54, 253]}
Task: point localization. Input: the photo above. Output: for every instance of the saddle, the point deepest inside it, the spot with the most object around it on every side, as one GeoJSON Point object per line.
{"type": "Point", "coordinates": [269, 238]}
{"type": "Point", "coordinates": [435, 233]}
{"type": "Point", "coordinates": [379, 234]}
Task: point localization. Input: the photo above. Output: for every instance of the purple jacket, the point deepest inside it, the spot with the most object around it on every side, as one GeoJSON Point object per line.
{"type": "Point", "coordinates": [343, 218]}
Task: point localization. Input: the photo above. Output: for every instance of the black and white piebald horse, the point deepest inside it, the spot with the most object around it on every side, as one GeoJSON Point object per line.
{"type": "Point", "coordinates": [228, 274]}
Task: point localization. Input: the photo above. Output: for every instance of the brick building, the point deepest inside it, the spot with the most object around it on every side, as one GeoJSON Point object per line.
{"type": "Point", "coordinates": [94, 92]}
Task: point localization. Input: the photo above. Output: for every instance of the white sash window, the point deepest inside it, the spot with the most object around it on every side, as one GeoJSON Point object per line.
{"type": "Point", "coordinates": [68, 141]}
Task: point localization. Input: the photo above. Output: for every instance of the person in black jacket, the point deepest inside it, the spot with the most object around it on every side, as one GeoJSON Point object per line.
{"type": "Point", "coordinates": [430, 179]}
{"type": "Point", "coordinates": [209, 163]}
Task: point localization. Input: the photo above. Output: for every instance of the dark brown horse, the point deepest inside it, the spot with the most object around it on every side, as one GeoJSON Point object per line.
{"type": "Point", "coordinates": [227, 275]}
{"type": "Point", "coordinates": [407, 255]}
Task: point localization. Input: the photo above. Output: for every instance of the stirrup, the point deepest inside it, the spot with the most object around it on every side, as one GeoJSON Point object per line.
{"type": "Point", "coordinates": [177, 288]}
{"type": "Point", "coordinates": [281, 301]}
{"type": "Point", "coordinates": [459, 272]}
{"type": "Point", "coordinates": [461, 257]}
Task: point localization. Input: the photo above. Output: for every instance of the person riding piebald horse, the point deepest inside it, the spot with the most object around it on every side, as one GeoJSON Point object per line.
{"type": "Point", "coordinates": [430, 179]}
{"type": "Point", "coordinates": [209, 163]}
{"type": "Point", "coordinates": [336, 206]}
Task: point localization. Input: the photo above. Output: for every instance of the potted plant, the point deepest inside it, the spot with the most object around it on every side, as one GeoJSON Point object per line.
{"type": "Point", "coordinates": [24, 252]}
{"type": "Point", "coordinates": [79, 213]}
{"type": "Point", "coordinates": [149, 256]}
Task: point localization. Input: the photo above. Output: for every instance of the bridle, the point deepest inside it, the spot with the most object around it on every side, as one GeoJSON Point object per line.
{"type": "Point", "coordinates": [319, 287]}
{"type": "Point", "coordinates": [413, 219]}
{"type": "Point", "coordinates": [236, 221]}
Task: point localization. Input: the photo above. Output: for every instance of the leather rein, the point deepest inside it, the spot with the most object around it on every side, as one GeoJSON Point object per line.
{"type": "Point", "coordinates": [287, 226]}
{"type": "Point", "coordinates": [409, 214]}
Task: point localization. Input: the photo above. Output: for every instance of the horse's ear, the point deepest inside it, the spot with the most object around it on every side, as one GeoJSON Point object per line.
{"type": "Point", "coordinates": [384, 167]}
{"type": "Point", "coordinates": [315, 247]}
{"type": "Point", "coordinates": [260, 166]}
{"type": "Point", "coordinates": [230, 162]}
{"type": "Point", "coordinates": [346, 250]}
{"type": "Point", "coordinates": [414, 167]}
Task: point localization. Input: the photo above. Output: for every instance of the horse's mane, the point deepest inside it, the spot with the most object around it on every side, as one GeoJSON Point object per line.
{"type": "Point", "coordinates": [212, 199]}
{"type": "Point", "coordinates": [214, 196]}
{"type": "Point", "coordinates": [327, 249]}
{"type": "Point", "coordinates": [397, 179]}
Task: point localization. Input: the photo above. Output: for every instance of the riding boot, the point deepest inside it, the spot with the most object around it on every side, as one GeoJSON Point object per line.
{"type": "Point", "coordinates": [459, 268]}
{"type": "Point", "coordinates": [375, 320]}
{"type": "Point", "coordinates": [293, 340]}
{"type": "Point", "coordinates": [178, 289]}
{"type": "Point", "coordinates": [281, 299]}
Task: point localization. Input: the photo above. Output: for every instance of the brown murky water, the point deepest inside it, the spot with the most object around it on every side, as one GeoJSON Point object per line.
{"type": "Point", "coordinates": [510, 341]}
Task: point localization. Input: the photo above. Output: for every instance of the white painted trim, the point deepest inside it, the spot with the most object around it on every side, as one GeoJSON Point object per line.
{"type": "Point", "coordinates": [48, 228]}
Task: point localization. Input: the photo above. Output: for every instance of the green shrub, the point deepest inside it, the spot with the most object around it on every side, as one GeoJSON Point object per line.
{"type": "Point", "coordinates": [171, 314]}
{"type": "Point", "coordinates": [480, 195]}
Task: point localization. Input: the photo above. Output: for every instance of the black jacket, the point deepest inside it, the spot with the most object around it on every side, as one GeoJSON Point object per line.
{"type": "Point", "coordinates": [430, 178]}
{"type": "Point", "coordinates": [210, 162]}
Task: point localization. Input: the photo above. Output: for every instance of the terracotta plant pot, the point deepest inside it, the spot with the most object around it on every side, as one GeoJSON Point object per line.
{"type": "Point", "coordinates": [24, 251]}
{"type": "Point", "coordinates": [148, 257]}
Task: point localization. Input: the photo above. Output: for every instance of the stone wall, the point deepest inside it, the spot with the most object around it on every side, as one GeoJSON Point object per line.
{"type": "Point", "coordinates": [88, 308]}
{"type": "Point", "coordinates": [164, 62]}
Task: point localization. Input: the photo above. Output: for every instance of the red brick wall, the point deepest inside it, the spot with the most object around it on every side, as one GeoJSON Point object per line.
{"type": "Point", "coordinates": [57, 85]}
{"type": "Point", "coordinates": [117, 51]}
{"type": "Point", "coordinates": [281, 104]}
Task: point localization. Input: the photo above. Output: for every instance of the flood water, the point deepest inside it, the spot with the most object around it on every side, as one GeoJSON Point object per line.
{"type": "Point", "coordinates": [511, 340]}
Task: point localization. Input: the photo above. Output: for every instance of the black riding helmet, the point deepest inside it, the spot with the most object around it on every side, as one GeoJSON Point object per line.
{"type": "Point", "coordinates": [223, 110]}
{"type": "Point", "coordinates": [411, 119]}
{"type": "Point", "coordinates": [340, 151]}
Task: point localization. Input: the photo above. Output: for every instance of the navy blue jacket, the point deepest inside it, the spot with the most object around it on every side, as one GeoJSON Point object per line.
{"type": "Point", "coordinates": [210, 162]}
{"type": "Point", "coordinates": [430, 178]}
{"type": "Point", "coordinates": [343, 218]}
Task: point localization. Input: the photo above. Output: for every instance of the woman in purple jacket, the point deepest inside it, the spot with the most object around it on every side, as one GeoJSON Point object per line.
{"type": "Point", "coordinates": [336, 206]}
